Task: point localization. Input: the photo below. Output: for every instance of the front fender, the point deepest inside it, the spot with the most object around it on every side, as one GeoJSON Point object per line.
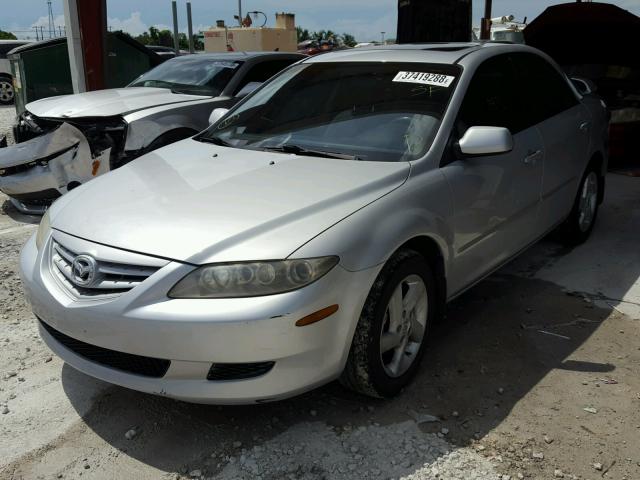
{"type": "Point", "coordinates": [147, 125]}
{"type": "Point", "coordinates": [369, 236]}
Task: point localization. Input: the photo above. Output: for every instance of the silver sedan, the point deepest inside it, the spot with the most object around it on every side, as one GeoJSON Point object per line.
{"type": "Point", "coordinates": [317, 230]}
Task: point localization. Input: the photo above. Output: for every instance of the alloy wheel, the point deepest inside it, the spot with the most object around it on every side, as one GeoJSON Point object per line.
{"type": "Point", "coordinates": [6, 91]}
{"type": "Point", "coordinates": [404, 325]}
{"type": "Point", "coordinates": [588, 201]}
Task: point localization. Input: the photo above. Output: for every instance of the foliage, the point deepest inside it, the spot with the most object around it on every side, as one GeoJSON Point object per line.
{"type": "Point", "coordinates": [303, 34]}
{"type": "Point", "coordinates": [327, 35]}
{"type": "Point", "coordinates": [349, 40]}
{"type": "Point", "coordinates": [7, 35]}
{"type": "Point", "coordinates": [165, 38]}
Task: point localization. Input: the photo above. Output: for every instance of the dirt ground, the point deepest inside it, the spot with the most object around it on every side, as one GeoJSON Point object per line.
{"type": "Point", "coordinates": [534, 374]}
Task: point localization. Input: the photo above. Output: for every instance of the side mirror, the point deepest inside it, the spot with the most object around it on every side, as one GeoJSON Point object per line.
{"type": "Point", "coordinates": [584, 86]}
{"type": "Point", "coordinates": [217, 114]}
{"type": "Point", "coordinates": [486, 141]}
{"type": "Point", "coordinates": [247, 89]}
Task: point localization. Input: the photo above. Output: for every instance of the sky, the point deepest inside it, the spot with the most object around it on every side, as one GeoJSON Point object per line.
{"type": "Point", "coordinates": [364, 19]}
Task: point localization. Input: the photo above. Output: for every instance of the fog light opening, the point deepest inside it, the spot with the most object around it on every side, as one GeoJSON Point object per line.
{"type": "Point", "coordinates": [317, 316]}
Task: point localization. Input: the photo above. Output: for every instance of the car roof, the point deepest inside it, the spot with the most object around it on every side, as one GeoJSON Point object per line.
{"type": "Point", "coordinates": [439, 52]}
{"type": "Point", "coordinates": [15, 41]}
{"type": "Point", "coordinates": [238, 56]}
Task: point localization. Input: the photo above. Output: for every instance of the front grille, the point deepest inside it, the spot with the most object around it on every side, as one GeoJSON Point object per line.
{"type": "Point", "coordinates": [238, 371]}
{"type": "Point", "coordinates": [110, 279]}
{"type": "Point", "coordinates": [127, 362]}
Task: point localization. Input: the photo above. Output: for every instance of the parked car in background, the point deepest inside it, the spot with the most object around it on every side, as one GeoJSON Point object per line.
{"type": "Point", "coordinates": [309, 47]}
{"type": "Point", "coordinates": [165, 52]}
{"type": "Point", "coordinates": [6, 77]}
{"type": "Point", "coordinates": [318, 228]}
{"type": "Point", "coordinates": [67, 140]}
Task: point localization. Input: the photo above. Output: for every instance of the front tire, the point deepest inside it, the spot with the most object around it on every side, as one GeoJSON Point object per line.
{"type": "Point", "coordinates": [390, 338]}
{"type": "Point", "coordinates": [580, 222]}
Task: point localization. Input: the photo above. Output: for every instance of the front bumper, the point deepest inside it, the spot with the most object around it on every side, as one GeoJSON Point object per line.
{"type": "Point", "coordinates": [35, 172]}
{"type": "Point", "coordinates": [196, 333]}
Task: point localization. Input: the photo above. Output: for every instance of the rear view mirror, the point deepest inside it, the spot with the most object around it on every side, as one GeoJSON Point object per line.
{"type": "Point", "coordinates": [217, 114]}
{"type": "Point", "coordinates": [247, 89]}
{"type": "Point", "coordinates": [584, 86]}
{"type": "Point", "coordinates": [486, 141]}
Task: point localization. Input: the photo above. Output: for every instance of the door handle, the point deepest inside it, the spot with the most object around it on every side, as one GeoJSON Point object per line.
{"type": "Point", "coordinates": [532, 157]}
{"type": "Point", "coordinates": [584, 126]}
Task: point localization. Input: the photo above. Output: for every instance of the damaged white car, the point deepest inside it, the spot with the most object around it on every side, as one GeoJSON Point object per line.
{"type": "Point", "coordinates": [62, 142]}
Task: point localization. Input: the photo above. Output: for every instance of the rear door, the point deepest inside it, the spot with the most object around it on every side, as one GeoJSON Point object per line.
{"type": "Point", "coordinates": [564, 125]}
{"type": "Point", "coordinates": [496, 197]}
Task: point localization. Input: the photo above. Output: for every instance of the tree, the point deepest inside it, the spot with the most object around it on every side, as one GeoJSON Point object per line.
{"type": "Point", "coordinates": [326, 35]}
{"type": "Point", "coordinates": [165, 39]}
{"type": "Point", "coordinates": [303, 34]}
{"type": "Point", "coordinates": [349, 40]}
{"type": "Point", "coordinates": [7, 35]}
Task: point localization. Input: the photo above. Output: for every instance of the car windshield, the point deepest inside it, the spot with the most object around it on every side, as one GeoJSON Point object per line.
{"type": "Point", "coordinates": [192, 75]}
{"type": "Point", "coordinates": [369, 111]}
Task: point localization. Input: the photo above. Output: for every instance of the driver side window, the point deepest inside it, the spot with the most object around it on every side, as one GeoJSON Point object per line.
{"type": "Point", "coordinates": [492, 98]}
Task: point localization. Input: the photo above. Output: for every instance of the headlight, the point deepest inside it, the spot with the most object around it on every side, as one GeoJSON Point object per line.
{"type": "Point", "coordinates": [43, 230]}
{"type": "Point", "coordinates": [251, 279]}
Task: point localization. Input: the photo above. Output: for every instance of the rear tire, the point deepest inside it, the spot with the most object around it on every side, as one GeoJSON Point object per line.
{"type": "Point", "coordinates": [580, 222]}
{"type": "Point", "coordinates": [392, 331]}
{"type": "Point", "coordinates": [6, 90]}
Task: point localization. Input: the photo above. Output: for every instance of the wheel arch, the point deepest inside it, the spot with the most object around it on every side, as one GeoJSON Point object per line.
{"type": "Point", "coordinates": [429, 248]}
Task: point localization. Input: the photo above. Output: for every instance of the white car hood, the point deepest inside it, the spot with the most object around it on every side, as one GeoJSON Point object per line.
{"type": "Point", "coordinates": [182, 203]}
{"type": "Point", "coordinates": [106, 103]}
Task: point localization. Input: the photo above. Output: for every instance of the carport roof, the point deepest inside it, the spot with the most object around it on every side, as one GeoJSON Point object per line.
{"type": "Point", "coordinates": [586, 33]}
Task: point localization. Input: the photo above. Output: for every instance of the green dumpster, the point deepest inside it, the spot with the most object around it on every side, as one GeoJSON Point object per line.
{"type": "Point", "coordinates": [42, 69]}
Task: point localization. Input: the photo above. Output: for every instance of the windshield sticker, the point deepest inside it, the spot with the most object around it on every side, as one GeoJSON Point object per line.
{"type": "Point", "coordinates": [435, 79]}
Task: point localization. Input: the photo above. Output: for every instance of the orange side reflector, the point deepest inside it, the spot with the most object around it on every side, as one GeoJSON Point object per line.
{"type": "Point", "coordinates": [317, 316]}
{"type": "Point", "coordinates": [94, 167]}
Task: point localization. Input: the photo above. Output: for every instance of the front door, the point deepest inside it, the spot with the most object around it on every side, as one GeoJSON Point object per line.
{"type": "Point", "coordinates": [496, 197]}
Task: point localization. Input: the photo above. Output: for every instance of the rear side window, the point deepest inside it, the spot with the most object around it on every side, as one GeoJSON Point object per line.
{"type": "Point", "coordinates": [263, 71]}
{"type": "Point", "coordinates": [492, 98]}
{"type": "Point", "coordinates": [547, 90]}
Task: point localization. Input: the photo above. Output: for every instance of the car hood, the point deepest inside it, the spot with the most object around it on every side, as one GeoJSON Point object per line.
{"type": "Point", "coordinates": [200, 203]}
{"type": "Point", "coordinates": [106, 103]}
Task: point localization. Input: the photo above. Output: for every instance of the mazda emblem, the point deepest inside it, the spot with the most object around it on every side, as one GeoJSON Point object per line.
{"type": "Point", "coordinates": [83, 270]}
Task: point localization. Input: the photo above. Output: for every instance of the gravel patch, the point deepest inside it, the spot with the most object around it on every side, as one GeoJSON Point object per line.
{"type": "Point", "coordinates": [314, 451]}
{"type": "Point", "coordinates": [7, 117]}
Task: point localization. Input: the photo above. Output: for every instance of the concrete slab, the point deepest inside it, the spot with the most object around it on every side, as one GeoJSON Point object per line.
{"type": "Point", "coordinates": [606, 268]}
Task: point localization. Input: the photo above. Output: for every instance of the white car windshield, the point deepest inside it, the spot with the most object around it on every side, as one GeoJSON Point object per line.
{"type": "Point", "coordinates": [369, 111]}
{"type": "Point", "coordinates": [192, 75]}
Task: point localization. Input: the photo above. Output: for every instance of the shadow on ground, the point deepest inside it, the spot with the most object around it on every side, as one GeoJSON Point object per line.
{"type": "Point", "coordinates": [500, 339]}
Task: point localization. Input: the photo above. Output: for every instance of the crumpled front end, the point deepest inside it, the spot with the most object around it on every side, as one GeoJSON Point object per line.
{"type": "Point", "coordinates": [53, 157]}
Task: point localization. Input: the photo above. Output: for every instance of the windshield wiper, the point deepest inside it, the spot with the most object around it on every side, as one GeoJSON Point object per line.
{"type": "Point", "coordinates": [298, 150]}
{"type": "Point", "coordinates": [215, 141]}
